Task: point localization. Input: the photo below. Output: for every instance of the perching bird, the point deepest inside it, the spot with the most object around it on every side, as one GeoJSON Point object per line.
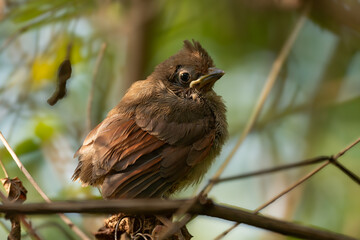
{"type": "Point", "coordinates": [163, 135]}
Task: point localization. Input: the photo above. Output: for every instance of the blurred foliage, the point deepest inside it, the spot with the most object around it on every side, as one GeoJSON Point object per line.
{"type": "Point", "coordinates": [45, 66]}
{"type": "Point", "coordinates": [313, 109]}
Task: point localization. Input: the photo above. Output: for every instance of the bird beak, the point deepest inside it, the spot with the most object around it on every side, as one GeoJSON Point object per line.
{"type": "Point", "coordinates": [205, 82]}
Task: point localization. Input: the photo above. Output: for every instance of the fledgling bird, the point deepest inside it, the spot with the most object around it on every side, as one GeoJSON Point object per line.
{"type": "Point", "coordinates": [163, 135]}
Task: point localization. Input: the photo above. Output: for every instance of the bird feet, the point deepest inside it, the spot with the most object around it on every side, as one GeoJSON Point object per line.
{"type": "Point", "coordinates": [135, 227]}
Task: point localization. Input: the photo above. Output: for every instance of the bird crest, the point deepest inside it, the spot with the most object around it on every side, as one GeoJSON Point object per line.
{"type": "Point", "coordinates": [198, 52]}
{"type": "Point", "coordinates": [192, 54]}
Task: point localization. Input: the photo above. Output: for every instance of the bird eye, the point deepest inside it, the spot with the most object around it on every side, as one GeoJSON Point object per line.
{"type": "Point", "coordinates": [184, 77]}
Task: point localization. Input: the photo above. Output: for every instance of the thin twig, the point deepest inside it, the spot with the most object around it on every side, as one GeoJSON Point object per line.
{"type": "Point", "coordinates": [158, 206]}
{"type": "Point", "coordinates": [31, 231]}
{"type": "Point", "coordinates": [92, 90]}
{"type": "Point", "coordinates": [77, 230]}
{"type": "Point", "coordinates": [300, 181]}
{"type": "Point", "coordinates": [256, 211]}
{"type": "Point", "coordinates": [276, 67]}
{"type": "Point", "coordinates": [4, 169]}
{"type": "Point", "coordinates": [342, 152]}
{"type": "Point", "coordinates": [3, 197]}
{"type": "Point", "coordinates": [57, 226]}
{"type": "Point", "coordinates": [351, 175]}
{"type": "Point", "coordinates": [23, 169]}
{"type": "Point", "coordinates": [175, 226]}
{"type": "Point", "coordinates": [224, 233]}
{"type": "Point", "coordinates": [275, 169]}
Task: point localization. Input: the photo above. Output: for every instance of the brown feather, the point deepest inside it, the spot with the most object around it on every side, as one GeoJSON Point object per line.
{"type": "Point", "coordinates": [159, 138]}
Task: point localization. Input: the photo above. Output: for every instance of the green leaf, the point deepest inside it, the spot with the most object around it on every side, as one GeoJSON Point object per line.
{"type": "Point", "coordinates": [27, 146]}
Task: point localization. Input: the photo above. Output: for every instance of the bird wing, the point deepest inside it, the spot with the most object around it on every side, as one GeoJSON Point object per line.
{"type": "Point", "coordinates": [139, 158]}
{"type": "Point", "coordinates": [114, 144]}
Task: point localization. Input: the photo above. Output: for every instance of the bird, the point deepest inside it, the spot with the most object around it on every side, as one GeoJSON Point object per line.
{"type": "Point", "coordinates": [162, 136]}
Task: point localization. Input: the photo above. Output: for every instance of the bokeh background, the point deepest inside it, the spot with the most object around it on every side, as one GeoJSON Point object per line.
{"type": "Point", "coordinates": [314, 108]}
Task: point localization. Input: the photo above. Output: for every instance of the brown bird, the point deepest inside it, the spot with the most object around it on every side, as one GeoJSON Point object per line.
{"type": "Point", "coordinates": [163, 135]}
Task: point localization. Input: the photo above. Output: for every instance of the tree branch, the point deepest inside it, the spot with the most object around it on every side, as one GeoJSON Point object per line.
{"type": "Point", "coordinates": [156, 206]}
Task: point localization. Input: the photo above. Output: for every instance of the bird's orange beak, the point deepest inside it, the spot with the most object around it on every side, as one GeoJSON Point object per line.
{"type": "Point", "coordinates": [206, 82]}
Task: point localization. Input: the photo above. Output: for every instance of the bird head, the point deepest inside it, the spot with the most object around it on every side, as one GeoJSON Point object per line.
{"type": "Point", "coordinates": [190, 68]}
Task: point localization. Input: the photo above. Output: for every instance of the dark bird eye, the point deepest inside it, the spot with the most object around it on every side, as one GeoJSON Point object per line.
{"type": "Point", "coordinates": [184, 76]}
